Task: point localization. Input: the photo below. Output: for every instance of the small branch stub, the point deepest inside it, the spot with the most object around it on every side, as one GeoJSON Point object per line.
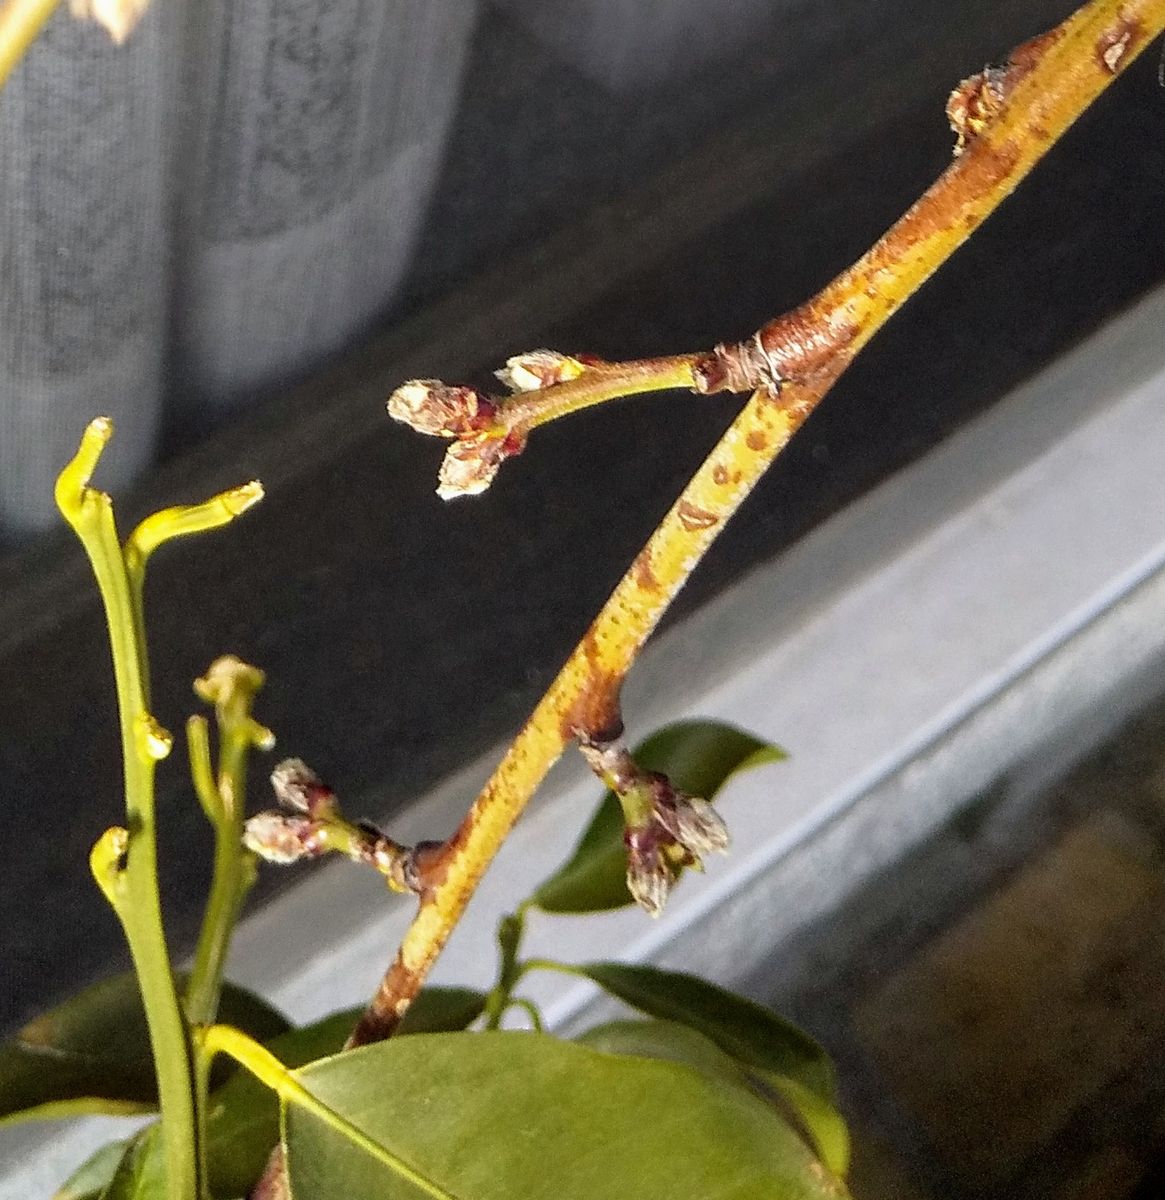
{"type": "Point", "coordinates": [230, 685]}
{"type": "Point", "coordinates": [666, 829]}
{"type": "Point", "coordinates": [974, 103]}
{"type": "Point", "coordinates": [107, 862]}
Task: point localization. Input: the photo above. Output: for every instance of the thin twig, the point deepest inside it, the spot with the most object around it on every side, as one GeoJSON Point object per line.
{"type": "Point", "coordinates": [1007, 121]}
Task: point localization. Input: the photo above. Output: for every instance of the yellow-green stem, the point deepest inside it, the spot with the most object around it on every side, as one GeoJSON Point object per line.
{"type": "Point", "coordinates": [232, 879]}
{"type": "Point", "coordinates": [91, 515]}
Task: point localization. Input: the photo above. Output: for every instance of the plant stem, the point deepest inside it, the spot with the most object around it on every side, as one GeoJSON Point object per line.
{"type": "Point", "coordinates": [143, 742]}
{"type": "Point", "coordinates": [606, 381]}
{"type": "Point", "coordinates": [551, 964]}
{"type": "Point", "coordinates": [510, 931]}
{"type": "Point", "coordinates": [233, 875]}
{"type": "Point", "coordinates": [792, 363]}
{"type": "Point", "coordinates": [230, 685]}
{"type": "Point", "coordinates": [530, 1009]}
{"type": "Point", "coordinates": [20, 22]}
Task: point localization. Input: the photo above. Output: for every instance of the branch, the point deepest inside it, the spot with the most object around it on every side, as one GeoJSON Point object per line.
{"type": "Point", "coordinates": [1006, 119]}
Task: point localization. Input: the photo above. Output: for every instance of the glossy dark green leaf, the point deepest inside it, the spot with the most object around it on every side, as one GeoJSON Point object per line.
{"type": "Point", "coordinates": [243, 1118]}
{"type": "Point", "coordinates": [522, 1116]}
{"type": "Point", "coordinates": [821, 1123]}
{"type": "Point", "coordinates": [698, 757]}
{"type": "Point", "coordinates": [666, 1040]}
{"type": "Point", "coordinates": [443, 1010]}
{"type": "Point", "coordinates": [748, 1032]}
{"type": "Point", "coordinates": [92, 1053]}
{"type": "Point", "coordinates": [92, 1177]}
{"type": "Point", "coordinates": [820, 1120]}
{"type": "Point", "coordinates": [141, 1173]}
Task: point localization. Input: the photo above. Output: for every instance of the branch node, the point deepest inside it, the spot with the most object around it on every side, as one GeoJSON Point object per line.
{"type": "Point", "coordinates": [973, 104]}
{"type": "Point", "coordinates": [738, 367]}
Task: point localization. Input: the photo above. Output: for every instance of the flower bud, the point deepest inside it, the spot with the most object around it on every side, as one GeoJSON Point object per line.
{"type": "Point", "coordinates": [432, 407]}
{"type": "Point", "coordinates": [298, 788]}
{"type": "Point", "coordinates": [694, 824]}
{"type": "Point", "coordinates": [279, 838]}
{"type": "Point", "coordinates": [649, 880]}
{"type": "Point", "coordinates": [538, 369]}
{"type": "Point", "coordinates": [470, 464]}
{"type": "Point", "coordinates": [666, 830]}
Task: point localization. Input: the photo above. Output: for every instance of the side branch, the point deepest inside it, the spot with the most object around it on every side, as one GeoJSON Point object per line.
{"type": "Point", "coordinates": [1006, 120]}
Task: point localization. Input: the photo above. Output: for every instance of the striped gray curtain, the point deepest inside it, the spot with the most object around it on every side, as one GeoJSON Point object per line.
{"type": "Point", "coordinates": [192, 218]}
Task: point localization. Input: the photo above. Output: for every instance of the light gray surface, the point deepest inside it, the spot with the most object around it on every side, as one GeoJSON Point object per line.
{"type": "Point", "coordinates": [1002, 597]}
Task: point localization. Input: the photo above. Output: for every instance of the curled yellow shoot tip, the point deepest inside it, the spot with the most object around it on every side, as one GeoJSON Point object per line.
{"type": "Point", "coordinates": [184, 519]}
{"type": "Point", "coordinates": [72, 488]}
{"type": "Point", "coordinates": [201, 770]}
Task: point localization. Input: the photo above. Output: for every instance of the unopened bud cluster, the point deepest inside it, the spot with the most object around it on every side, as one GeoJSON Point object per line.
{"type": "Point", "coordinates": [313, 825]}
{"type": "Point", "coordinates": [665, 830]}
{"type": "Point", "coordinates": [483, 430]}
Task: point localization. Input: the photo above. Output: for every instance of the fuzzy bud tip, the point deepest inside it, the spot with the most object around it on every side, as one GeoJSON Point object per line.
{"type": "Point", "coordinates": [537, 369]}
{"type": "Point", "coordinates": [432, 407]}
{"type": "Point", "coordinates": [298, 788]}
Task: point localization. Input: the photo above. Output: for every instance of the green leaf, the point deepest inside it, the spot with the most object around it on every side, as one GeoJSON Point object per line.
{"type": "Point", "coordinates": [743, 1029]}
{"type": "Point", "coordinates": [141, 1173]}
{"type": "Point", "coordinates": [666, 1040]}
{"type": "Point", "coordinates": [825, 1125]}
{"type": "Point", "coordinates": [243, 1115]}
{"type": "Point", "coordinates": [820, 1122]}
{"type": "Point", "coordinates": [442, 1010]}
{"type": "Point", "coordinates": [92, 1177]}
{"type": "Point", "coordinates": [92, 1053]}
{"type": "Point", "coordinates": [699, 757]}
{"type": "Point", "coordinates": [521, 1116]}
